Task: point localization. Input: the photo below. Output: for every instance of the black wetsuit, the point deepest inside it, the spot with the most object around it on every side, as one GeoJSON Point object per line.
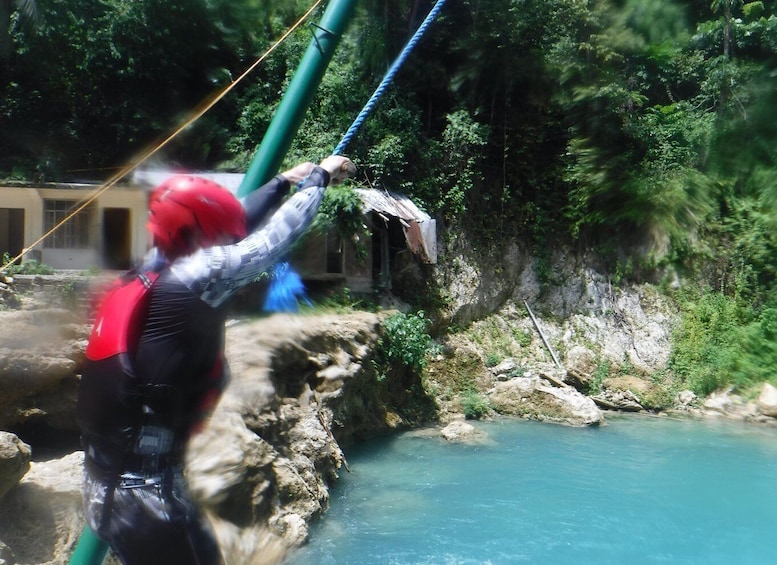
{"type": "Point", "coordinates": [140, 401]}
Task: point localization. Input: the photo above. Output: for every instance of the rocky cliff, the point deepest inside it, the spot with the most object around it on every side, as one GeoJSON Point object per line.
{"type": "Point", "coordinates": [303, 388]}
{"type": "Point", "coordinates": [262, 467]}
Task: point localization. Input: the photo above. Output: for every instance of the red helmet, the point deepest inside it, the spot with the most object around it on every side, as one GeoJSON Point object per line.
{"type": "Point", "coordinates": [187, 213]}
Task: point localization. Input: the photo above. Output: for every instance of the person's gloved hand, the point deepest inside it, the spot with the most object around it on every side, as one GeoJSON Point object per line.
{"type": "Point", "coordinates": [298, 173]}
{"type": "Point", "coordinates": [339, 168]}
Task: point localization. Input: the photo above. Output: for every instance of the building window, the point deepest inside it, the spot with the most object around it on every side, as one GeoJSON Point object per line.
{"type": "Point", "coordinates": [72, 234]}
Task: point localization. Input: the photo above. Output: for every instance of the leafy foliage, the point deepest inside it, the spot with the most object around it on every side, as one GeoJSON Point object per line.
{"type": "Point", "coordinates": [724, 342]}
{"type": "Point", "coordinates": [405, 340]}
{"type": "Point", "coordinates": [642, 129]}
{"type": "Point", "coordinates": [341, 209]}
{"type": "Point", "coordinates": [30, 267]}
{"type": "Point", "coordinates": [475, 406]}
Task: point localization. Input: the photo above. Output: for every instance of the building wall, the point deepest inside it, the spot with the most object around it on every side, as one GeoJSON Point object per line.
{"type": "Point", "coordinates": [310, 260]}
{"type": "Point", "coordinates": [31, 200]}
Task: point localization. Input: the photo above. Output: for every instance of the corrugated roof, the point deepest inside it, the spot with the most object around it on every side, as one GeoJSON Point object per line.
{"type": "Point", "coordinates": [420, 230]}
{"type": "Point", "coordinates": [391, 203]}
{"type": "Point", "coordinates": [384, 201]}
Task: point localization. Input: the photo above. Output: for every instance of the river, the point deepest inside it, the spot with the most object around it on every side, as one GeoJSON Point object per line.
{"type": "Point", "coordinates": [638, 490]}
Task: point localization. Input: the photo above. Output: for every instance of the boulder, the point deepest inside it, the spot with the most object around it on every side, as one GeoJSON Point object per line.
{"type": "Point", "coordinates": [685, 399]}
{"type": "Point", "coordinates": [505, 370]}
{"type": "Point", "coordinates": [461, 431]}
{"type": "Point", "coordinates": [580, 364]}
{"type": "Point", "coordinates": [42, 518]}
{"type": "Point", "coordinates": [40, 351]}
{"type": "Point", "coordinates": [582, 411]}
{"type": "Point", "coordinates": [720, 402]}
{"type": "Point", "coordinates": [623, 400]}
{"type": "Point", "coordinates": [14, 461]}
{"type": "Point", "coordinates": [534, 398]}
{"type": "Point", "coordinates": [725, 403]}
{"type": "Point", "coordinates": [632, 394]}
{"type": "Point", "coordinates": [767, 400]}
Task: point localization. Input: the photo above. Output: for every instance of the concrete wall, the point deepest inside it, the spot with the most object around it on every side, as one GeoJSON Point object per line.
{"type": "Point", "coordinates": [31, 199]}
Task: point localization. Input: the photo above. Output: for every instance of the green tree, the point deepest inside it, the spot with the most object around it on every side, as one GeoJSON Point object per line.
{"type": "Point", "coordinates": [26, 12]}
{"type": "Point", "coordinates": [97, 82]}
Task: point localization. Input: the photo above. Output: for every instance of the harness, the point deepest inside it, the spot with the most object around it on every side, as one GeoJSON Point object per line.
{"type": "Point", "coordinates": [126, 420]}
{"type": "Point", "coordinates": [112, 345]}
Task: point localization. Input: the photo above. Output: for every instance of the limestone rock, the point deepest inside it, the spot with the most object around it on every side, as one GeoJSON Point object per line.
{"type": "Point", "coordinates": [41, 519]}
{"type": "Point", "coordinates": [226, 465]}
{"type": "Point", "coordinates": [767, 400]}
{"type": "Point", "coordinates": [582, 411]}
{"type": "Point", "coordinates": [505, 370]}
{"type": "Point", "coordinates": [532, 397]}
{"type": "Point", "coordinates": [14, 461]}
{"type": "Point", "coordinates": [40, 351]}
{"type": "Point", "coordinates": [726, 403]}
{"type": "Point", "coordinates": [265, 460]}
{"type": "Point", "coordinates": [291, 527]}
{"type": "Point", "coordinates": [622, 393]}
{"type": "Point", "coordinates": [685, 398]}
{"type": "Point", "coordinates": [248, 546]}
{"type": "Point", "coordinates": [580, 364]}
{"type": "Point", "coordinates": [720, 401]}
{"type": "Point", "coordinates": [632, 394]}
{"type": "Point", "coordinates": [623, 400]}
{"type": "Point", "coordinates": [460, 431]}
{"type": "Point", "coordinates": [263, 463]}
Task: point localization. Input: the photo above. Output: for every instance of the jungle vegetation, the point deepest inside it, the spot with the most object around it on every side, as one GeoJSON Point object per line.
{"type": "Point", "coordinates": [642, 129]}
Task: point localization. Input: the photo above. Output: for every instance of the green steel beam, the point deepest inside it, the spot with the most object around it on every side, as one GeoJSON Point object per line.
{"type": "Point", "coordinates": [291, 110]}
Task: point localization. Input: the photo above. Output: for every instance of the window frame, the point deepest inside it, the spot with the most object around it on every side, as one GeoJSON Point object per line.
{"type": "Point", "coordinates": [76, 233]}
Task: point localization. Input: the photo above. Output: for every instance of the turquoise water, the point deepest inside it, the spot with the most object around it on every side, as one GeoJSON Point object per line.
{"type": "Point", "coordinates": [639, 490]}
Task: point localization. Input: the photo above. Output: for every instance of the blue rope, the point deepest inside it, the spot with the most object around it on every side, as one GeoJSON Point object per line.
{"type": "Point", "coordinates": [388, 78]}
{"type": "Point", "coordinates": [286, 288]}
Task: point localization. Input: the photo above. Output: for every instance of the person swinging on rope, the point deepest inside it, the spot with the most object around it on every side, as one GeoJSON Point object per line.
{"type": "Point", "coordinates": [155, 364]}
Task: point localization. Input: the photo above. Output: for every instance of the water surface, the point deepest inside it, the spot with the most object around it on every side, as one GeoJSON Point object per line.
{"type": "Point", "coordinates": [639, 490]}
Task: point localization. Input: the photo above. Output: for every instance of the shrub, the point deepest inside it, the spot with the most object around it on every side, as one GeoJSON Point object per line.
{"type": "Point", "coordinates": [720, 343]}
{"type": "Point", "coordinates": [475, 406]}
{"type": "Point", "coordinates": [602, 371]}
{"type": "Point", "coordinates": [405, 340]}
{"type": "Point", "coordinates": [31, 267]}
{"type": "Point", "coordinates": [341, 209]}
{"type": "Point", "coordinates": [493, 359]}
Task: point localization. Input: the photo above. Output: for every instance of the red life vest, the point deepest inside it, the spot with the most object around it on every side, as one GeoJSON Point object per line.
{"type": "Point", "coordinates": [111, 393]}
{"type": "Point", "coordinates": [126, 306]}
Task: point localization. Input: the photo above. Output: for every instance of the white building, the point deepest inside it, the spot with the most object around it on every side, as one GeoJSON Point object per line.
{"type": "Point", "coordinates": [109, 233]}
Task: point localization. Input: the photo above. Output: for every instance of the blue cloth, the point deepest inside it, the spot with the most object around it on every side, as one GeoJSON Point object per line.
{"type": "Point", "coordinates": [286, 290]}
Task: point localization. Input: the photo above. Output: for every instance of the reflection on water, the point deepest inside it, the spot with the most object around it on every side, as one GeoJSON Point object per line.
{"type": "Point", "coordinates": [640, 490]}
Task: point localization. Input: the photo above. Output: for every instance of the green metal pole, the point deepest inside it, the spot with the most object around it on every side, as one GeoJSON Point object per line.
{"type": "Point", "coordinates": [90, 550]}
{"type": "Point", "coordinates": [291, 110]}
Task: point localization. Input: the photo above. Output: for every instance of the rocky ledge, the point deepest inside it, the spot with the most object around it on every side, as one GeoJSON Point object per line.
{"type": "Point", "coordinates": [303, 388]}
{"type": "Point", "coordinates": [262, 466]}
